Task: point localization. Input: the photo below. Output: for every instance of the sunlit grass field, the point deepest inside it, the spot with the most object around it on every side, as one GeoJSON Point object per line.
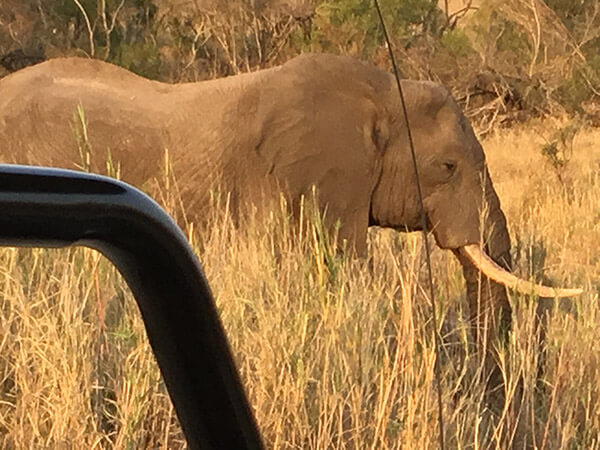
{"type": "Point", "coordinates": [334, 352]}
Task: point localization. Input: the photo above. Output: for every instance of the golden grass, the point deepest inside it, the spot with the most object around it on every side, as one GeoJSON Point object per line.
{"type": "Point", "coordinates": [334, 352]}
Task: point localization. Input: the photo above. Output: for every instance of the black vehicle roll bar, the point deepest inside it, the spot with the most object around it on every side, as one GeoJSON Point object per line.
{"type": "Point", "coordinates": [42, 207]}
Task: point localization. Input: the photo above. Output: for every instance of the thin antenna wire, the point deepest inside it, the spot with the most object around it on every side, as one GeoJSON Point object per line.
{"type": "Point", "coordinates": [438, 376]}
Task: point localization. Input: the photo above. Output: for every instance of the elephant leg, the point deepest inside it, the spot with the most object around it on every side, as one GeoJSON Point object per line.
{"type": "Point", "coordinates": [354, 232]}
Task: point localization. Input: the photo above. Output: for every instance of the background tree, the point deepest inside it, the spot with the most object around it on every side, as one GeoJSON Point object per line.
{"type": "Point", "coordinates": [505, 60]}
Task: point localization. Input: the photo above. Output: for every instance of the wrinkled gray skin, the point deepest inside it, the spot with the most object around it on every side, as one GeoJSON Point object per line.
{"type": "Point", "coordinates": [322, 120]}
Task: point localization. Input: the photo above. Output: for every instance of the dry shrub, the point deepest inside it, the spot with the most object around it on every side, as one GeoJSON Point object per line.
{"type": "Point", "coordinates": [335, 352]}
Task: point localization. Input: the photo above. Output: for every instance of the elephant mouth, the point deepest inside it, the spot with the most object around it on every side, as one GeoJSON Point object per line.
{"type": "Point", "coordinates": [494, 272]}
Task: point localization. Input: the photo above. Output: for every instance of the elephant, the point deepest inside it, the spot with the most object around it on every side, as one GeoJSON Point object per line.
{"type": "Point", "coordinates": [332, 122]}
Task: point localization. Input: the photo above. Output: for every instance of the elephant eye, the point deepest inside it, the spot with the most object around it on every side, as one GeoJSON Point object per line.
{"type": "Point", "coordinates": [450, 166]}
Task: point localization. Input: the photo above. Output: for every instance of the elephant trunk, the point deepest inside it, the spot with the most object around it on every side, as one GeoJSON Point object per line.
{"type": "Point", "coordinates": [489, 308]}
{"type": "Point", "coordinates": [487, 272]}
{"type": "Point", "coordinates": [490, 313]}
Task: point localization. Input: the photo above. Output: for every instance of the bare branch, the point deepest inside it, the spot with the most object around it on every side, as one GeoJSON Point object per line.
{"type": "Point", "coordinates": [590, 84]}
{"type": "Point", "coordinates": [457, 15]}
{"type": "Point", "coordinates": [42, 14]}
{"type": "Point", "coordinates": [194, 48]}
{"type": "Point", "coordinates": [13, 35]}
{"type": "Point", "coordinates": [89, 27]}
{"type": "Point", "coordinates": [108, 29]}
{"type": "Point", "coordinates": [536, 36]}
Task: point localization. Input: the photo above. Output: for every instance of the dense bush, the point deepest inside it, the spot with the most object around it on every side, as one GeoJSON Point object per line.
{"type": "Point", "coordinates": [505, 60]}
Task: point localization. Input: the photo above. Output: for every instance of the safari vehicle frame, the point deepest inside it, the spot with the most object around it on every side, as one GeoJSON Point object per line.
{"type": "Point", "coordinates": [44, 207]}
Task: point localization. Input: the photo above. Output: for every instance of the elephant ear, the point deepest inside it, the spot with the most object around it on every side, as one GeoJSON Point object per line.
{"type": "Point", "coordinates": [332, 140]}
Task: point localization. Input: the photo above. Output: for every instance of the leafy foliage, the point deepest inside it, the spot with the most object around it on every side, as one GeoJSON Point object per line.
{"type": "Point", "coordinates": [406, 19]}
{"type": "Point", "coordinates": [558, 151]}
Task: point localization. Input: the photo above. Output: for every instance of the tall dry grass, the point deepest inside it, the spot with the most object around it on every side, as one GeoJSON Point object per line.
{"type": "Point", "coordinates": [335, 352]}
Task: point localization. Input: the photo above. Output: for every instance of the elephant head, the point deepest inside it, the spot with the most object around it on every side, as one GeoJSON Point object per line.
{"type": "Point", "coordinates": [460, 204]}
{"type": "Point", "coordinates": [339, 124]}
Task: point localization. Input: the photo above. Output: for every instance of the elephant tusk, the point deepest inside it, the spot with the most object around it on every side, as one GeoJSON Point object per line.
{"type": "Point", "coordinates": [496, 273]}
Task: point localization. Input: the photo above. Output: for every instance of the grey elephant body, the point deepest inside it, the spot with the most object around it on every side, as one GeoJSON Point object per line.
{"type": "Point", "coordinates": [319, 120]}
